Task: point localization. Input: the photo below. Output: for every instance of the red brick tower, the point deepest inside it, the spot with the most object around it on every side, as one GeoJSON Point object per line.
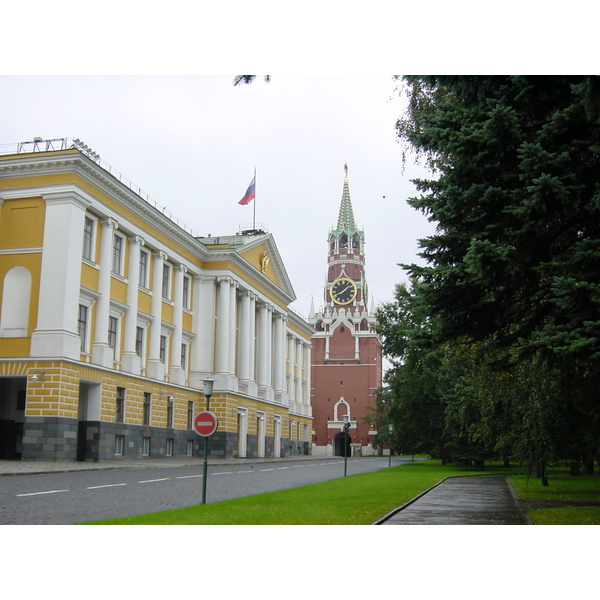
{"type": "Point", "coordinates": [346, 354]}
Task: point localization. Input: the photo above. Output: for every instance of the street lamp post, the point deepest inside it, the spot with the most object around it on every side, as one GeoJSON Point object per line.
{"type": "Point", "coordinates": [208, 389]}
{"type": "Point", "coordinates": [390, 442]}
{"type": "Point", "coordinates": [345, 429]}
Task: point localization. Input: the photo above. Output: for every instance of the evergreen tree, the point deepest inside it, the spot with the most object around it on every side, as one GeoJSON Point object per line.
{"type": "Point", "coordinates": [516, 254]}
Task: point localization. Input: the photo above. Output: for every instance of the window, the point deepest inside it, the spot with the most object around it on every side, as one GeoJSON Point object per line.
{"type": "Point", "coordinates": [143, 269]}
{"type": "Point", "coordinates": [169, 446]}
{"type": "Point", "coordinates": [139, 341]}
{"type": "Point", "coordinates": [163, 349]}
{"type": "Point", "coordinates": [120, 405]}
{"type": "Point", "coordinates": [82, 321]}
{"type": "Point", "coordinates": [119, 445]}
{"type": "Point", "coordinates": [147, 407]}
{"type": "Point", "coordinates": [88, 238]}
{"type": "Point", "coordinates": [117, 255]}
{"type": "Point", "coordinates": [183, 356]}
{"type": "Point", "coordinates": [113, 323]}
{"type": "Point", "coordinates": [166, 281]}
{"type": "Point", "coordinates": [190, 448]}
{"type": "Point", "coordinates": [170, 411]}
{"type": "Point", "coordinates": [186, 292]}
{"type": "Point", "coordinates": [190, 415]}
{"type": "Point", "coordinates": [146, 446]}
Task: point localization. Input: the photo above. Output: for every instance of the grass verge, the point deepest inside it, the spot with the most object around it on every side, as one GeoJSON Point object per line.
{"type": "Point", "coordinates": [564, 488]}
{"type": "Point", "coordinates": [353, 500]}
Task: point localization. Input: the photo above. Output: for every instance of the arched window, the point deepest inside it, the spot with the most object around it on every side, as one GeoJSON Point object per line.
{"type": "Point", "coordinates": [16, 295]}
{"type": "Point", "coordinates": [344, 241]}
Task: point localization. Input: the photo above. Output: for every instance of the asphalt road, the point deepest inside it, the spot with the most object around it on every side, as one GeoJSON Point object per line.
{"type": "Point", "coordinates": [75, 497]}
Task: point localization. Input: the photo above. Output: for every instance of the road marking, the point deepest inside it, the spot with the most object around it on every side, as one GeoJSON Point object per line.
{"type": "Point", "coordinates": [244, 471]}
{"type": "Point", "coordinates": [282, 468]}
{"type": "Point", "coordinates": [97, 487]}
{"type": "Point", "coordinates": [267, 470]}
{"type": "Point", "coordinates": [153, 480]}
{"type": "Point", "coordinates": [225, 473]}
{"type": "Point", "coordinates": [39, 493]}
{"type": "Point", "coordinates": [188, 476]}
{"type": "Point", "coordinates": [298, 467]}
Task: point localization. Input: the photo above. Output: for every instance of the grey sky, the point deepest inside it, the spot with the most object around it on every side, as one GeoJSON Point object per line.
{"type": "Point", "coordinates": [191, 143]}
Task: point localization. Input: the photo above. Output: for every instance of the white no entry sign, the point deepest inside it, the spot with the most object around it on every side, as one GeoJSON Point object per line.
{"type": "Point", "coordinates": [205, 423]}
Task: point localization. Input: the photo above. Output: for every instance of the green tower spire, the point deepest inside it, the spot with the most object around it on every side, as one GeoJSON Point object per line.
{"type": "Point", "coordinates": [346, 217]}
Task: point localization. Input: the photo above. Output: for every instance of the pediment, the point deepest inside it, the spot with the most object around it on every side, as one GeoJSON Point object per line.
{"type": "Point", "coordinates": [262, 254]}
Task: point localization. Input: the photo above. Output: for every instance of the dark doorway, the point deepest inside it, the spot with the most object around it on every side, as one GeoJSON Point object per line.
{"type": "Point", "coordinates": [342, 444]}
{"type": "Point", "coordinates": [12, 416]}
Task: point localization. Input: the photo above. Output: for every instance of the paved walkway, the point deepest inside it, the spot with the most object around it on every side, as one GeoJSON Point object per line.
{"type": "Point", "coordinates": [478, 500]}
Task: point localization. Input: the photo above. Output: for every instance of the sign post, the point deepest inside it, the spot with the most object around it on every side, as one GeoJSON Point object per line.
{"type": "Point", "coordinates": [205, 424]}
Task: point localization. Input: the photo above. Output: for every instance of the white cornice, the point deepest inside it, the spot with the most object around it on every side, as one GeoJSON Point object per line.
{"type": "Point", "coordinates": [107, 183]}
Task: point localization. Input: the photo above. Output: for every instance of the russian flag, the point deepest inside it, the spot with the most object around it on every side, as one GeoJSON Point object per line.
{"type": "Point", "coordinates": [249, 195]}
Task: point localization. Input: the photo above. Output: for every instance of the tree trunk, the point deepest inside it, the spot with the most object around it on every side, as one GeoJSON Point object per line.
{"type": "Point", "coordinates": [543, 473]}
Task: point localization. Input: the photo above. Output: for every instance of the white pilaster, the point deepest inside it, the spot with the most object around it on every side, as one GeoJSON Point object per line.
{"type": "Point", "coordinates": [176, 370]}
{"type": "Point", "coordinates": [56, 331]}
{"type": "Point", "coordinates": [130, 360]}
{"type": "Point", "coordinates": [102, 353]}
{"type": "Point", "coordinates": [155, 368]}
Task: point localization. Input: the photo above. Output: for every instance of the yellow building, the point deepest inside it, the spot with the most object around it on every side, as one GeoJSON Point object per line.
{"type": "Point", "coordinates": [112, 314]}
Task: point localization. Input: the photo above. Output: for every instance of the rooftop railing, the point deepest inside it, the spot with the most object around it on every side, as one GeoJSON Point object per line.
{"type": "Point", "coordinates": [56, 144]}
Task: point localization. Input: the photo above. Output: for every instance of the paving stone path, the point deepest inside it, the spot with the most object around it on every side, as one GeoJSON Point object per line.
{"type": "Point", "coordinates": [482, 500]}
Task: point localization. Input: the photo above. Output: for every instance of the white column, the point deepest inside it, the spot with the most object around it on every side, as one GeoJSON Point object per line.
{"type": "Point", "coordinates": [130, 360]}
{"type": "Point", "coordinates": [292, 366]}
{"type": "Point", "coordinates": [299, 355]}
{"type": "Point", "coordinates": [263, 367]}
{"type": "Point", "coordinates": [307, 368]}
{"type": "Point", "coordinates": [244, 343]}
{"type": "Point", "coordinates": [252, 361]}
{"type": "Point", "coordinates": [176, 371]}
{"type": "Point", "coordinates": [203, 344]}
{"type": "Point", "coordinates": [279, 353]}
{"type": "Point", "coordinates": [102, 353]}
{"type": "Point", "coordinates": [269, 345]}
{"type": "Point", "coordinates": [233, 327]}
{"type": "Point", "coordinates": [60, 278]}
{"type": "Point", "coordinates": [156, 369]}
{"type": "Point", "coordinates": [223, 324]}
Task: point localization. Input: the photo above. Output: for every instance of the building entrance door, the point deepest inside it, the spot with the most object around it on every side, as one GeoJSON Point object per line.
{"type": "Point", "coordinates": [342, 444]}
{"type": "Point", "coordinates": [12, 416]}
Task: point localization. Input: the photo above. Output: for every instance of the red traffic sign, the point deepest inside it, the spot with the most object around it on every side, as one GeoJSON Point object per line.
{"type": "Point", "coordinates": [205, 423]}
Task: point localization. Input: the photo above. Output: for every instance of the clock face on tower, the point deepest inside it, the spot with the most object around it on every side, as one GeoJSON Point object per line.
{"type": "Point", "coordinates": [343, 291]}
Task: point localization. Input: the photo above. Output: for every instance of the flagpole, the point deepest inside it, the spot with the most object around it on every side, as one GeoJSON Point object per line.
{"type": "Point", "coordinates": [254, 207]}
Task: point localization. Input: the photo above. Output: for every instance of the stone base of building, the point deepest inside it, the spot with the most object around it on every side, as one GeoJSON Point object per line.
{"type": "Point", "coordinates": [56, 438]}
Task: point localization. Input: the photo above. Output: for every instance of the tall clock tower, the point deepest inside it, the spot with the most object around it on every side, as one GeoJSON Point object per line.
{"type": "Point", "coordinates": [346, 353]}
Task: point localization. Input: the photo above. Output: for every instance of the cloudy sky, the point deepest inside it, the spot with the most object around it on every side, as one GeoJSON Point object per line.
{"type": "Point", "coordinates": [191, 143]}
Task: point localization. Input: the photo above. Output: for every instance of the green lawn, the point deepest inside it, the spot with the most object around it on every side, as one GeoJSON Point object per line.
{"type": "Point", "coordinates": [352, 500]}
{"type": "Point", "coordinates": [562, 487]}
